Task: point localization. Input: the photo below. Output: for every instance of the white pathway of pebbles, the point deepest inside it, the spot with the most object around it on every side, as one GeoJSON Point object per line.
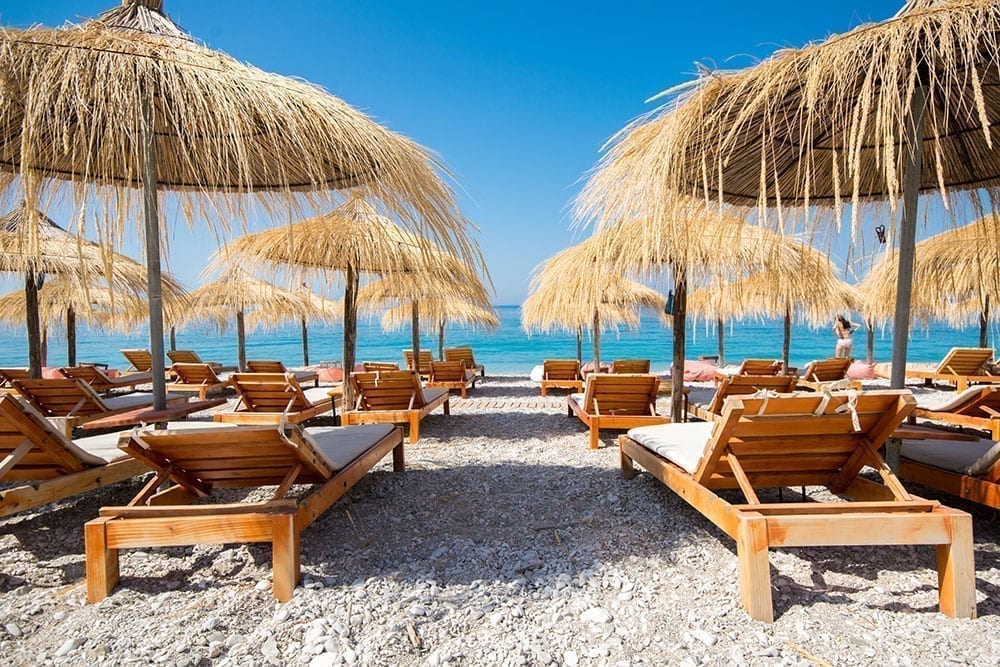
{"type": "Point", "coordinates": [507, 541]}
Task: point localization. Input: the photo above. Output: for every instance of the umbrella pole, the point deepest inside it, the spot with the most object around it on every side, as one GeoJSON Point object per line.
{"type": "Point", "coordinates": [579, 345]}
{"type": "Point", "coordinates": [984, 323]}
{"type": "Point", "coordinates": [914, 148]}
{"type": "Point", "coordinates": [152, 228]}
{"type": "Point", "coordinates": [45, 346]}
{"type": "Point", "coordinates": [597, 341]}
{"type": "Point", "coordinates": [241, 340]}
{"type": "Point", "coordinates": [34, 328]}
{"type": "Point", "coordinates": [70, 336]}
{"type": "Point", "coordinates": [786, 343]}
{"type": "Point", "coordinates": [305, 343]}
{"type": "Point", "coordinates": [870, 352]}
{"type": "Point", "coordinates": [173, 338]}
{"type": "Point", "coordinates": [680, 322]}
{"type": "Point", "coordinates": [722, 341]}
{"type": "Point", "coordinates": [440, 340]}
{"type": "Point", "coordinates": [350, 330]}
{"type": "Point", "coordinates": [415, 332]}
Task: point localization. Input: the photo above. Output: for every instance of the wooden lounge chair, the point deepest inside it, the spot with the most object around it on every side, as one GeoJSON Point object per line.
{"type": "Point", "coordinates": [760, 367]}
{"type": "Point", "coordinates": [100, 382]}
{"type": "Point", "coordinates": [394, 397]}
{"type": "Point", "coordinates": [561, 374]}
{"type": "Point", "coordinates": [425, 361]}
{"type": "Point", "coordinates": [191, 357]}
{"type": "Point", "coordinates": [630, 366]}
{"type": "Point", "coordinates": [273, 398]}
{"type": "Point", "coordinates": [976, 407]}
{"type": "Point", "coordinates": [140, 361]}
{"type": "Point", "coordinates": [961, 366]}
{"type": "Point", "coordinates": [798, 440]}
{"type": "Point", "coordinates": [969, 470]}
{"type": "Point", "coordinates": [451, 375]}
{"type": "Point", "coordinates": [201, 460]}
{"type": "Point", "coordinates": [736, 385]}
{"type": "Point", "coordinates": [8, 375]}
{"type": "Point", "coordinates": [33, 450]}
{"type": "Point", "coordinates": [302, 376]}
{"type": "Point", "coordinates": [464, 354]}
{"type": "Point", "coordinates": [71, 402]}
{"type": "Point", "coordinates": [616, 401]}
{"type": "Point", "coordinates": [200, 378]}
{"type": "Point", "coordinates": [826, 371]}
{"type": "Point", "coordinates": [376, 366]}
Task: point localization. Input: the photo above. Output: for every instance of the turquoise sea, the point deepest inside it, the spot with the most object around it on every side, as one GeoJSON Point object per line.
{"type": "Point", "coordinates": [506, 350]}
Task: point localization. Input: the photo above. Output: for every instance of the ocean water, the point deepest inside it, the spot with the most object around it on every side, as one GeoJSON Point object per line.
{"type": "Point", "coordinates": [506, 350]}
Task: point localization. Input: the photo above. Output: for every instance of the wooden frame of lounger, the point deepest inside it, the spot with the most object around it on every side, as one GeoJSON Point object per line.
{"type": "Point", "coordinates": [200, 378]}
{"type": "Point", "coordinates": [822, 372]}
{"type": "Point", "coordinates": [783, 442]}
{"type": "Point", "coordinates": [8, 375]}
{"type": "Point", "coordinates": [273, 398]}
{"type": "Point", "coordinates": [140, 360]}
{"type": "Point", "coordinates": [378, 366]}
{"type": "Point", "coordinates": [277, 366]}
{"type": "Point", "coordinates": [738, 385]}
{"type": "Point", "coordinates": [981, 411]}
{"type": "Point", "coordinates": [392, 397]}
{"type": "Point", "coordinates": [101, 382]}
{"type": "Point", "coordinates": [33, 450]}
{"type": "Point", "coordinates": [72, 402]}
{"type": "Point", "coordinates": [962, 366]}
{"type": "Point", "coordinates": [425, 360]}
{"type": "Point", "coordinates": [620, 366]}
{"type": "Point", "coordinates": [451, 375]}
{"type": "Point", "coordinates": [984, 489]}
{"type": "Point", "coordinates": [192, 357]}
{"type": "Point", "coordinates": [561, 374]}
{"type": "Point", "coordinates": [464, 353]}
{"type": "Point", "coordinates": [200, 460]}
{"type": "Point", "coordinates": [617, 401]}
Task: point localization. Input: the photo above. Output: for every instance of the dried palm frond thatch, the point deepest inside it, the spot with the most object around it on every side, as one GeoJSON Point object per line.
{"type": "Point", "coordinates": [324, 311]}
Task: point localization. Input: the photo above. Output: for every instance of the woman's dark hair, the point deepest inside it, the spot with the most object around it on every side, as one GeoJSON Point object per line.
{"type": "Point", "coordinates": [844, 321]}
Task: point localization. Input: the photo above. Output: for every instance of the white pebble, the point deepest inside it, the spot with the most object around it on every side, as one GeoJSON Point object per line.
{"type": "Point", "coordinates": [706, 638]}
{"type": "Point", "coordinates": [13, 629]}
{"type": "Point", "coordinates": [69, 645]}
{"type": "Point", "coordinates": [571, 659]}
{"type": "Point", "coordinates": [595, 615]}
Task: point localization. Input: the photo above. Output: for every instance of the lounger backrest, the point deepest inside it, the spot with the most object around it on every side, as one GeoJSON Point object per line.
{"type": "Point", "coordinates": [460, 354]}
{"type": "Point", "coordinates": [92, 375]}
{"type": "Point", "coordinates": [141, 360]}
{"type": "Point", "coordinates": [630, 366]}
{"type": "Point", "coordinates": [425, 360]}
{"type": "Point", "coordinates": [447, 371]}
{"type": "Point", "coordinates": [760, 367]}
{"type": "Point", "coordinates": [965, 361]}
{"type": "Point", "coordinates": [50, 453]}
{"type": "Point", "coordinates": [621, 394]}
{"type": "Point", "coordinates": [804, 438]}
{"type": "Point", "coordinates": [261, 366]}
{"type": "Point", "coordinates": [737, 385]}
{"type": "Point", "coordinates": [827, 370]}
{"type": "Point", "coordinates": [61, 397]}
{"type": "Point", "coordinates": [270, 392]}
{"type": "Point", "coordinates": [8, 375]}
{"type": "Point", "coordinates": [227, 458]}
{"type": "Point", "coordinates": [374, 366]}
{"type": "Point", "coordinates": [388, 390]}
{"type": "Point", "coordinates": [196, 374]}
{"type": "Point", "coordinates": [561, 369]}
{"type": "Point", "coordinates": [184, 357]}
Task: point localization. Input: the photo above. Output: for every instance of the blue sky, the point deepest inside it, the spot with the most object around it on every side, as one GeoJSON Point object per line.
{"type": "Point", "coordinates": [517, 98]}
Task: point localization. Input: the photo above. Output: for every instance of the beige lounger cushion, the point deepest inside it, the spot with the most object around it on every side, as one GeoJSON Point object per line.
{"type": "Point", "coordinates": [317, 394]}
{"type": "Point", "coordinates": [339, 445]}
{"type": "Point", "coordinates": [136, 400]}
{"type": "Point", "coordinates": [953, 401]}
{"type": "Point", "coordinates": [683, 443]}
{"type": "Point", "coordinates": [971, 458]}
{"type": "Point", "coordinates": [577, 398]}
{"type": "Point", "coordinates": [430, 395]}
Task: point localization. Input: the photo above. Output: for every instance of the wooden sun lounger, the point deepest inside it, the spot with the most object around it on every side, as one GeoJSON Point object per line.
{"type": "Point", "coordinates": [616, 401]}
{"type": "Point", "coordinates": [100, 382]}
{"type": "Point", "coordinates": [969, 470]}
{"type": "Point", "coordinates": [192, 357]}
{"type": "Point", "coordinates": [451, 375]}
{"type": "Point", "coordinates": [201, 460]}
{"type": "Point", "coordinates": [976, 407]}
{"type": "Point", "coordinates": [425, 361]}
{"type": "Point", "coordinates": [140, 361]}
{"type": "Point", "coordinates": [826, 371]}
{"type": "Point", "coordinates": [8, 375]}
{"type": "Point", "coordinates": [377, 366]}
{"type": "Point", "coordinates": [273, 398]}
{"type": "Point", "coordinates": [464, 353]}
{"type": "Point", "coordinates": [394, 397]}
{"type": "Point", "coordinates": [630, 366]}
{"type": "Point", "coordinates": [561, 374]}
{"type": "Point", "coordinates": [200, 378]}
{"type": "Point", "coordinates": [266, 366]}
{"type": "Point", "coordinates": [961, 366]}
{"type": "Point", "coordinates": [71, 402]}
{"type": "Point", "coordinates": [784, 442]}
{"type": "Point", "coordinates": [737, 385]}
{"type": "Point", "coordinates": [32, 450]}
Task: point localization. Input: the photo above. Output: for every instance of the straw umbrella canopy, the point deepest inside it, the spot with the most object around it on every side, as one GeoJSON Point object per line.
{"type": "Point", "coordinates": [228, 299]}
{"type": "Point", "coordinates": [882, 113]}
{"type": "Point", "coordinates": [442, 312]}
{"type": "Point", "coordinates": [324, 310]}
{"type": "Point", "coordinates": [352, 239]}
{"type": "Point", "coordinates": [35, 246]}
{"type": "Point", "coordinates": [126, 106]}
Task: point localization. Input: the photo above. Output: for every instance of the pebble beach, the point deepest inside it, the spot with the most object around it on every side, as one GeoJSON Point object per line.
{"type": "Point", "coordinates": [507, 541]}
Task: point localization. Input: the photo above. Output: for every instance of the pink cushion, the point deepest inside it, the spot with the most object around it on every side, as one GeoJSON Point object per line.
{"type": "Point", "coordinates": [330, 374]}
{"type": "Point", "coordinates": [589, 368]}
{"type": "Point", "coordinates": [699, 371]}
{"type": "Point", "coordinates": [52, 373]}
{"type": "Point", "coordinates": [883, 370]}
{"type": "Point", "coordinates": [861, 370]}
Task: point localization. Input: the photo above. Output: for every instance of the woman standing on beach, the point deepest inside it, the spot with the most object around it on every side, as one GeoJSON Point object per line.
{"type": "Point", "coordinates": [843, 329]}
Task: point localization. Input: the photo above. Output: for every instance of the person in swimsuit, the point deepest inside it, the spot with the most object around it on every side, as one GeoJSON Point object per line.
{"type": "Point", "coordinates": [843, 329]}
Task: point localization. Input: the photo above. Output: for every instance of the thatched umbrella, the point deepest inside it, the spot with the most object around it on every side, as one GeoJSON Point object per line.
{"type": "Point", "coordinates": [129, 105]}
{"type": "Point", "coordinates": [442, 312]}
{"type": "Point", "coordinates": [882, 113]}
{"type": "Point", "coordinates": [352, 239]}
{"type": "Point", "coordinates": [36, 247]}
{"type": "Point", "coordinates": [235, 293]}
{"type": "Point", "coordinates": [324, 310]}
{"type": "Point", "coordinates": [575, 290]}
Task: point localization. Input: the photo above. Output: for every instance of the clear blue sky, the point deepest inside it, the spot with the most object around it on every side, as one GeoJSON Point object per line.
{"type": "Point", "coordinates": [516, 97]}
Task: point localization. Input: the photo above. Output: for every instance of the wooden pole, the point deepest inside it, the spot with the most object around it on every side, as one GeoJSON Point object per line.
{"type": "Point", "coordinates": [441, 340]}
{"type": "Point", "coordinates": [984, 323]}
{"type": "Point", "coordinates": [241, 340]}
{"type": "Point", "coordinates": [173, 338]}
{"type": "Point", "coordinates": [722, 341]}
{"type": "Point", "coordinates": [350, 330]}
{"type": "Point", "coordinates": [415, 333]}
{"type": "Point", "coordinates": [152, 228]}
{"type": "Point", "coordinates": [45, 346]}
{"type": "Point", "coordinates": [305, 343]}
{"type": "Point", "coordinates": [680, 322]}
{"type": "Point", "coordinates": [579, 345]}
{"type": "Point", "coordinates": [913, 152]}
{"type": "Point", "coordinates": [70, 336]}
{"type": "Point", "coordinates": [870, 352]}
{"type": "Point", "coordinates": [786, 344]}
{"type": "Point", "coordinates": [597, 341]}
{"type": "Point", "coordinates": [31, 287]}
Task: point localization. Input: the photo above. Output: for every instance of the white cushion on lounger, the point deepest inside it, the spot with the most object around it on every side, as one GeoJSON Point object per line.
{"type": "Point", "coordinates": [105, 445]}
{"type": "Point", "coordinates": [317, 394]}
{"type": "Point", "coordinates": [339, 445]}
{"type": "Point", "coordinates": [299, 375]}
{"type": "Point", "coordinates": [431, 394]}
{"type": "Point", "coordinates": [683, 444]}
{"type": "Point", "coordinates": [952, 402]}
{"type": "Point", "coordinates": [136, 399]}
{"type": "Point", "coordinates": [965, 457]}
{"type": "Point", "coordinates": [537, 373]}
{"type": "Point", "coordinates": [577, 398]}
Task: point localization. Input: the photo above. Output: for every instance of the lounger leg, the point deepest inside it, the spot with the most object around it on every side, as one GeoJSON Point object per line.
{"type": "Point", "coordinates": [755, 575]}
{"type": "Point", "coordinates": [545, 390]}
{"type": "Point", "coordinates": [285, 547]}
{"type": "Point", "coordinates": [961, 385]}
{"type": "Point", "coordinates": [595, 434]}
{"type": "Point", "coordinates": [102, 562]}
{"type": "Point", "coordinates": [415, 427]}
{"type": "Point", "coordinates": [397, 458]}
{"type": "Point", "coordinates": [447, 406]}
{"type": "Point", "coordinates": [957, 570]}
{"type": "Point", "coordinates": [628, 469]}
